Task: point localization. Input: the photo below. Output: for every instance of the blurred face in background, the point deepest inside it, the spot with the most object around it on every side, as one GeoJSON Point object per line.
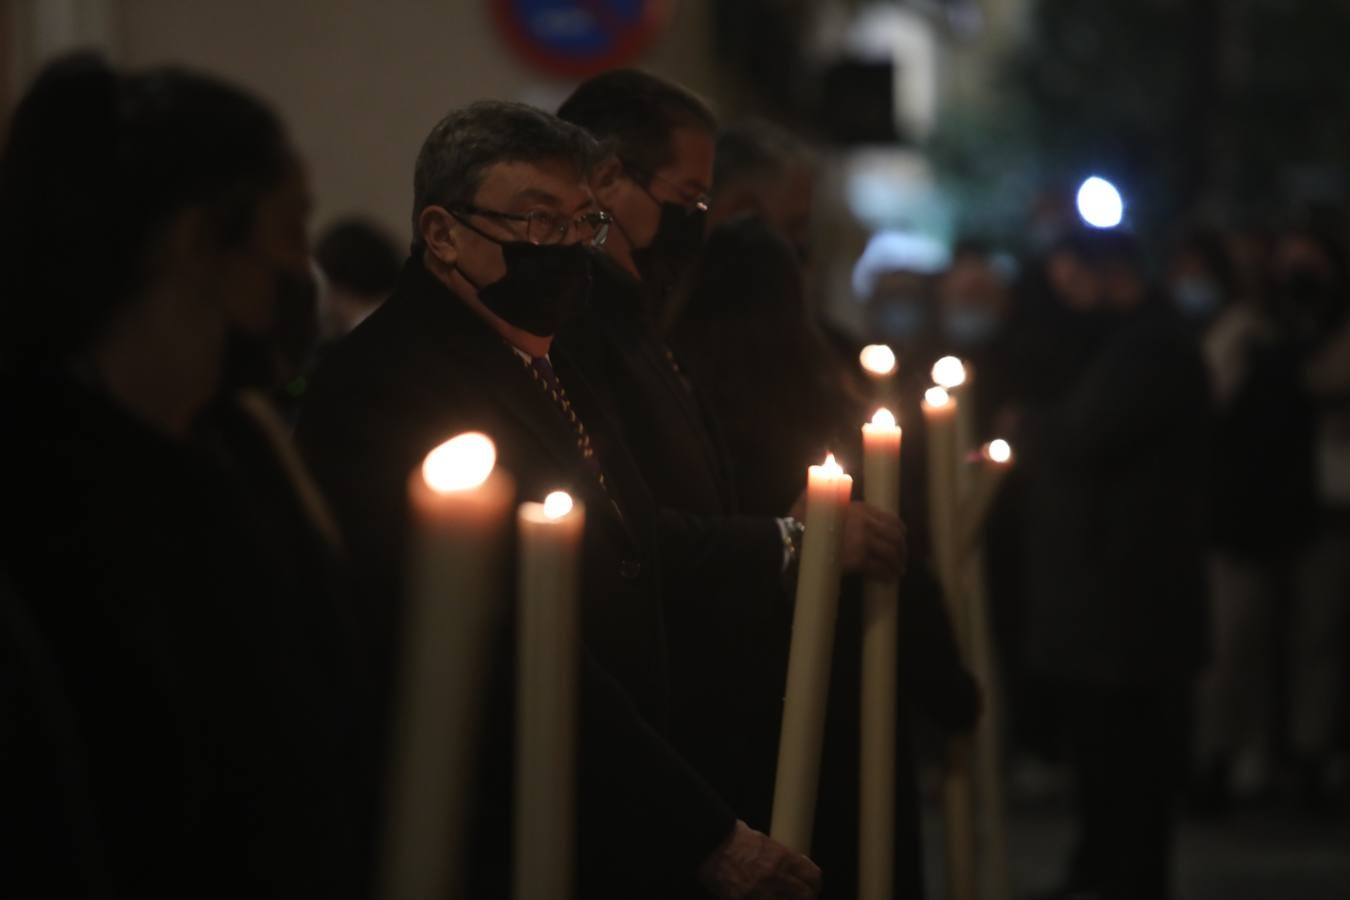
{"type": "Point", "coordinates": [972, 302]}
{"type": "Point", "coordinates": [900, 307]}
{"type": "Point", "coordinates": [1195, 290]}
{"type": "Point", "coordinates": [261, 288]}
{"type": "Point", "coordinates": [1124, 287]}
{"type": "Point", "coordinates": [783, 199]}
{"type": "Point", "coordinates": [1075, 284]}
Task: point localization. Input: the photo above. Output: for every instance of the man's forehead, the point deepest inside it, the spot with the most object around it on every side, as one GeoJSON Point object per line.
{"type": "Point", "coordinates": [549, 183]}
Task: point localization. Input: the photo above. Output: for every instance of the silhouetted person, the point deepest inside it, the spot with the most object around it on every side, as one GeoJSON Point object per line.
{"type": "Point", "coordinates": [783, 402]}
{"type": "Point", "coordinates": [172, 556]}
{"type": "Point", "coordinates": [1116, 522]}
{"type": "Point", "coordinates": [722, 616]}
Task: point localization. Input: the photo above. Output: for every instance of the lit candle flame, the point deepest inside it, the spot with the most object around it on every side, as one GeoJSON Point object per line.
{"type": "Point", "coordinates": [883, 418]}
{"type": "Point", "coordinates": [936, 397]}
{"type": "Point", "coordinates": [878, 359]}
{"type": "Point", "coordinates": [949, 372]}
{"type": "Point", "coordinates": [557, 504]}
{"type": "Point", "coordinates": [460, 464]}
{"type": "Point", "coordinates": [999, 451]}
{"type": "Point", "coordinates": [830, 466]}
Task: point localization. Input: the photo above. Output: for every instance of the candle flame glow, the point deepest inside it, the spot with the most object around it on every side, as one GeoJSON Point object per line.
{"type": "Point", "coordinates": [883, 418]}
{"type": "Point", "coordinates": [878, 359]}
{"type": "Point", "coordinates": [999, 451]}
{"type": "Point", "coordinates": [949, 372]}
{"type": "Point", "coordinates": [936, 397]}
{"type": "Point", "coordinates": [460, 464]}
{"type": "Point", "coordinates": [557, 504]}
{"type": "Point", "coordinates": [830, 466]}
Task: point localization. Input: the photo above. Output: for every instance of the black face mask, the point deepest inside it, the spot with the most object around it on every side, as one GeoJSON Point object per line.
{"type": "Point", "coordinates": [282, 352]}
{"type": "Point", "coordinates": [544, 285]}
{"type": "Point", "coordinates": [678, 240]}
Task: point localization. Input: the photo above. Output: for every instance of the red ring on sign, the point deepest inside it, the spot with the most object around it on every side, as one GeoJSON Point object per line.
{"type": "Point", "coordinates": [629, 42]}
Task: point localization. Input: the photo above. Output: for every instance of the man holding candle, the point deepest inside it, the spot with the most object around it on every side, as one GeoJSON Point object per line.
{"type": "Point", "coordinates": [727, 614]}
{"type": "Point", "coordinates": [502, 217]}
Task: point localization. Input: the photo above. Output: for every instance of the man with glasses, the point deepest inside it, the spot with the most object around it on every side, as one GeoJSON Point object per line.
{"type": "Point", "coordinates": [504, 226]}
{"type": "Point", "coordinates": [729, 615]}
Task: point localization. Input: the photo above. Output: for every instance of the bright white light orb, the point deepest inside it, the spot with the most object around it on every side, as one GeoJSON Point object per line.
{"type": "Point", "coordinates": [999, 450]}
{"type": "Point", "coordinates": [1100, 204]}
{"type": "Point", "coordinates": [877, 359]}
{"type": "Point", "coordinates": [557, 504]}
{"type": "Point", "coordinates": [883, 418]}
{"type": "Point", "coordinates": [460, 464]}
{"type": "Point", "coordinates": [830, 466]}
{"type": "Point", "coordinates": [936, 397]}
{"type": "Point", "coordinates": [949, 372]}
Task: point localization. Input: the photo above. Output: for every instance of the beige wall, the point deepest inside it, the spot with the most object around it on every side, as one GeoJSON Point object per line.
{"type": "Point", "coordinates": [361, 83]}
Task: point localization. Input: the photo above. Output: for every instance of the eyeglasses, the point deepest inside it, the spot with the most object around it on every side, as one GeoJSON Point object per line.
{"type": "Point", "coordinates": [550, 228]}
{"type": "Point", "coordinates": [699, 202]}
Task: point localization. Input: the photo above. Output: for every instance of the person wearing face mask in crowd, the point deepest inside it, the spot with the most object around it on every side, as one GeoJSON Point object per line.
{"type": "Point", "coordinates": [764, 171]}
{"type": "Point", "coordinates": [1310, 305]}
{"type": "Point", "coordinates": [655, 184]}
{"type": "Point", "coordinates": [505, 225]}
{"type": "Point", "coordinates": [167, 550]}
{"type": "Point", "coordinates": [1115, 525]}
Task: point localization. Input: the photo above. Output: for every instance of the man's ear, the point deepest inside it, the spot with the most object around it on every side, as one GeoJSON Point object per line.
{"type": "Point", "coordinates": [438, 234]}
{"type": "Point", "coordinates": [606, 181]}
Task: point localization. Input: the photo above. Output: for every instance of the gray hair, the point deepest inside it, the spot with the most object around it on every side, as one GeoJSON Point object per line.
{"type": "Point", "coordinates": [465, 143]}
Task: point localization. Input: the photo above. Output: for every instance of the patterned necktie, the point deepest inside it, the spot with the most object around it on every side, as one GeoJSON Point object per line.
{"type": "Point", "coordinates": [542, 371]}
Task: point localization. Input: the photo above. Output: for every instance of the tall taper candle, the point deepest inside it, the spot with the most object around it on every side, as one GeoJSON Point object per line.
{"type": "Point", "coordinates": [939, 413]}
{"type": "Point", "coordinates": [547, 660]}
{"type": "Point", "coordinates": [808, 676]}
{"type": "Point", "coordinates": [939, 409]}
{"type": "Point", "coordinates": [881, 617]}
{"type": "Point", "coordinates": [460, 509]}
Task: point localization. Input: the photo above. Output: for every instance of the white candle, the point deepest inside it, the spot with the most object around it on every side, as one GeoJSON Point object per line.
{"type": "Point", "coordinates": [955, 377]}
{"type": "Point", "coordinates": [939, 413]}
{"type": "Point", "coordinates": [995, 461]}
{"type": "Point", "coordinates": [454, 609]}
{"type": "Point", "coordinates": [808, 677]}
{"type": "Point", "coordinates": [546, 701]}
{"type": "Point", "coordinates": [876, 862]}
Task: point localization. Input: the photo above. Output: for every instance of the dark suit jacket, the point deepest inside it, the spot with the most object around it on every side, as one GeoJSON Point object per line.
{"type": "Point", "coordinates": [214, 686]}
{"type": "Point", "coordinates": [728, 614]}
{"type": "Point", "coordinates": [424, 367]}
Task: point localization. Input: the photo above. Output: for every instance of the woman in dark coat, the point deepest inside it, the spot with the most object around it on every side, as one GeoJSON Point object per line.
{"type": "Point", "coordinates": [172, 558]}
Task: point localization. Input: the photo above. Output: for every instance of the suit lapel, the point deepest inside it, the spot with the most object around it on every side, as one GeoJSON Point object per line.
{"type": "Point", "coordinates": [459, 345]}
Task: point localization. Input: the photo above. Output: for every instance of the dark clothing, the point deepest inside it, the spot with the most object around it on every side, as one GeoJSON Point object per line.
{"type": "Point", "coordinates": [425, 367]}
{"type": "Point", "coordinates": [49, 845]}
{"type": "Point", "coordinates": [212, 676]}
{"type": "Point", "coordinates": [1117, 517]}
{"type": "Point", "coordinates": [660, 416]}
{"type": "Point", "coordinates": [779, 395]}
{"type": "Point", "coordinates": [1127, 749]}
{"type": "Point", "coordinates": [724, 622]}
{"type": "Point", "coordinates": [1116, 506]}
